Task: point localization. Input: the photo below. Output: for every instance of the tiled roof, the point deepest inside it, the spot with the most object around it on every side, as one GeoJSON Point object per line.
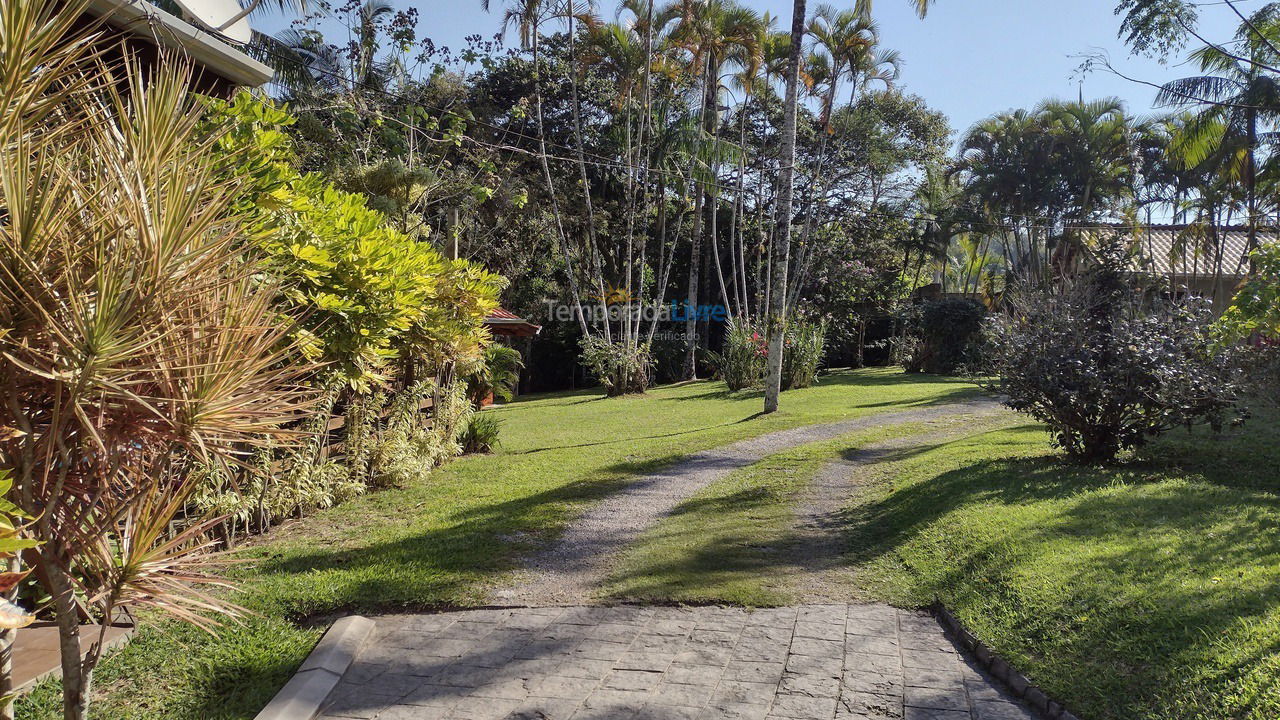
{"type": "Point", "coordinates": [503, 314]}
{"type": "Point", "coordinates": [1184, 250]}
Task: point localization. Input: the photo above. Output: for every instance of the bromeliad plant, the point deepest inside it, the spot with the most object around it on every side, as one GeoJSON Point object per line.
{"type": "Point", "coordinates": [141, 337]}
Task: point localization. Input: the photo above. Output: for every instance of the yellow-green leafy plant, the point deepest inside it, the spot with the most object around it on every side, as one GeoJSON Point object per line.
{"type": "Point", "coordinates": [365, 295]}
{"type": "Point", "coordinates": [141, 338]}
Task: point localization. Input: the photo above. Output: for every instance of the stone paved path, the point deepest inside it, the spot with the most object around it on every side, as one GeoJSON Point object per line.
{"type": "Point", "coordinates": [556, 659]}
{"type": "Point", "coordinates": [571, 570]}
{"type": "Point", "coordinates": [812, 662]}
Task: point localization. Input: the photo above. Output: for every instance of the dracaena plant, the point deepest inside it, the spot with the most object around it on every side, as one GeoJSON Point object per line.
{"type": "Point", "coordinates": [140, 337]}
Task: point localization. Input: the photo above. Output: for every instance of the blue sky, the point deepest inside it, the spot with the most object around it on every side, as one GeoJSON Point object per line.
{"type": "Point", "coordinates": [968, 58]}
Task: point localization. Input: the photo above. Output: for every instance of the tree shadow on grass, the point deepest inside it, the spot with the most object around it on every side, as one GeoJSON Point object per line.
{"type": "Point", "coordinates": [1097, 582]}
{"type": "Point", "coordinates": [419, 570]}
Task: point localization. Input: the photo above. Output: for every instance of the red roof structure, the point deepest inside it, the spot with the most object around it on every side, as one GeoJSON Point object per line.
{"type": "Point", "coordinates": [504, 322]}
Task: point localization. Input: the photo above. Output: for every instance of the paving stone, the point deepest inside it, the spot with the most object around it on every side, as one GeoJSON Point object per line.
{"type": "Point", "coordinates": [563, 688]}
{"type": "Point", "coordinates": [738, 692]}
{"type": "Point", "coordinates": [804, 706]}
{"type": "Point", "coordinates": [358, 704]}
{"type": "Point", "coordinates": [632, 680]}
{"type": "Point", "coordinates": [713, 636]}
{"type": "Point", "coordinates": [929, 678]}
{"type": "Point", "coordinates": [584, 668]}
{"type": "Point", "coordinates": [482, 708]}
{"type": "Point", "coordinates": [735, 711]}
{"type": "Point", "coordinates": [433, 696]}
{"type": "Point", "coordinates": [600, 650]}
{"type": "Point", "coordinates": [915, 713]}
{"type": "Point", "coordinates": [818, 648]}
{"type": "Point", "coordinates": [815, 665]}
{"type": "Point", "coordinates": [693, 674]}
{"type": "Point", "coordinates": [820, 630]}
{"type": "Point", "coordinates": [930, 659]}
{"type": "Point", "coordinates": [909, 621]}
{"type": "Point", "coordinates": [925, 641]}
{"type": "Point", "coordinates": [983, 689]}
{"type": "Point", "coordinates": [867, 681]}
{"type": "Point", "coordinates": [770, 672]}
{"type": "Point", "coordinates": [983, 710]}
{"type": "Point", "coordinates": [616, 701]}
{"type": "Point", "coordinates": [875, 705]}
{"type": "Point", "coordinates": [811, 685]}
{"type": "Point", "coordinates": [543, 709]}
{"type": "Point", "coordinates": [627, 663]}
{"type": "Point", "coordinates": [682, 694]}
{"type": "Point", "coordinates": [414, 712]}
{"type": "Point", "coordinates": [705, 655]}
{"type": "Point", "coordinates": [872, 645]}
{"type": "Point", "coordinates": [503, 689]}
{"type": "Point", "coordinates": [650, 661]}
{"type": "Point", "coordinates": [936, 698]}
{"type": "Point", "coordinates": [392, 684]}
{"type": "Point", "coordinates": [884, 627]}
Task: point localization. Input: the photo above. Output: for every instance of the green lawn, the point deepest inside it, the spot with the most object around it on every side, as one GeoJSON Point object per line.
{"type": "Point", "coordinates": [445, 540]}
{"type": "Point", "coordinates": [1147, 591]}
{"type": "Point", "coordinates": [733, 542]}
{"type": "Point", "coordinates": [1143, 592]}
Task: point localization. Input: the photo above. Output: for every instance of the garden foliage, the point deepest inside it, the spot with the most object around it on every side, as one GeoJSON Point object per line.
{"type": "Point", "coordinates": [1106, 369]}
{"type": "Point", "coordinates": [803, 346]}
{"type": "Point", "coordinates": [741, 361]}
{"type": "Point", "coordinates": [622, 368]}
{"type": "Point", "coordinates": [945, 334]}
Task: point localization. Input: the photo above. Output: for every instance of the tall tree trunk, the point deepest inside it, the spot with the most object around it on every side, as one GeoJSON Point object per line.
{"type": "Point", "coordinates": [690, 370]}
{"type": "Point", "coordinates": [565, 250]}
{"type": "Point", "coordinates": [592, 249]}
{"type": "Point", "coordinates": [782, 244]}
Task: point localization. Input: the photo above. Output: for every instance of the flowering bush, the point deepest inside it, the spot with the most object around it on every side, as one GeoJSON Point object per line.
{"type": "Point", "coordinates": [741, 362]}
{"type": "Point", "coordinates": [803, 347]}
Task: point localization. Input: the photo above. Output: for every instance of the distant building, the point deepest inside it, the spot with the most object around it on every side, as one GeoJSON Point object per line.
{"type": "Point", "coordinates": [1196, 260]}
{"type": "Point", "coordinates": [146, 29]}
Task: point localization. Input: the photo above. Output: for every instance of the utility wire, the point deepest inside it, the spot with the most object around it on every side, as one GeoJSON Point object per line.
{"type": "Point", "coordinates": [596, 160]}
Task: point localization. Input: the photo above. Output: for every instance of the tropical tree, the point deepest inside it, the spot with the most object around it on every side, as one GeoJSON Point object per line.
{"type": "Point", "coordinates": [140, 338]}
{"type": "Point", "coordinates": [1238, 104]}
{"type": "Point", "coordinates": [777, 317]}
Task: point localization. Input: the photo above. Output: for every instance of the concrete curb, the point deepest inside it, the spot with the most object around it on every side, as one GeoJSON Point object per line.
{"type": "Point", "coordinates": [304, 694]}
{"type": "Point", "coordinates": [1017, 683]}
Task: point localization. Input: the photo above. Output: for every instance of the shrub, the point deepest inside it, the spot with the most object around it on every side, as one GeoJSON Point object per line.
{"type": "Point", "coordinates": [498, 372]}
{"type": "Point", "coordinates": [480, 434]}
{"type": "Point", "coordinates": [741, 362]}
{"type": "Point", "coordinates": [802, 352]}
{"type": "Point", "coordinates": [622, 368]}
{"type": "Point", "coordinates": [1105, 370]}
{"type": "Point", "coordinates": [947, 334]}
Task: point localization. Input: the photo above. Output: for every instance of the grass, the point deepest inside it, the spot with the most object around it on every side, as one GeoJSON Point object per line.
{"type": "Point", "coordinates": [733, 542]}
{"type": "Point", "coordinates": [1140, 592]}
{"type": "Point", "coordinates": [1147, 591]}
{"type": "Point", "coordinates": [449, 538]}
{"type": "Point", "coordinates": [1143, 591]}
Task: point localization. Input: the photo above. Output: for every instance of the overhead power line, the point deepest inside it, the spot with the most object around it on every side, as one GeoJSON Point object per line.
{"type": "Point", "coordinates": [595, 160]}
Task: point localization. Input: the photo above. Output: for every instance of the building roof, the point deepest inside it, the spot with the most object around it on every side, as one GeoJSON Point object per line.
{"type": "Point", "coordinates": [504, 322]}
{"type": "Point", "coordinates": [144, 20]}
{"type": "Point", "coordinates": [1192, 250]}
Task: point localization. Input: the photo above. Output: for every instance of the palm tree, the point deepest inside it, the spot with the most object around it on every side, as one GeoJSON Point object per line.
{"type": "Point", "coordinates": [711, 32]}
{"type": "Point", "coordinates": [1239, 106]}
{"type": "Point", "coordinates": [527, 17]}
